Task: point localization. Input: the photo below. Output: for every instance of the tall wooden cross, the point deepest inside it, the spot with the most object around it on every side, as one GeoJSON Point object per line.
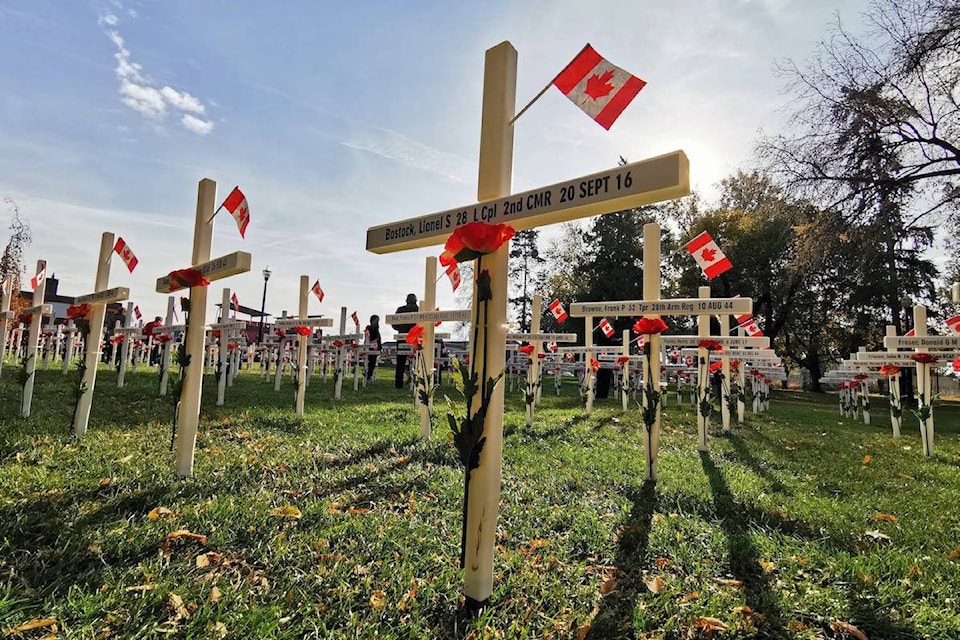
{"type": "Point", "coordinates": [37, 311]}
{"type": "Point", "coordinates": [225, 327]}
{"type": "Point", "coordinates": [662, 178]}
{"type": "Point", "coordinates": [188, 410]}
{"type": "Point", "coordinates": [98, 301]}
{"type": "Point", "coordinates": [302, 320]}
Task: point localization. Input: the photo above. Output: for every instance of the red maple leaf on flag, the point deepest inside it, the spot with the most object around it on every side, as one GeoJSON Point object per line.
{"type": "Point", "coordinates": [598, 86]}
{"type": "Point", "coordinates": [709, 254]}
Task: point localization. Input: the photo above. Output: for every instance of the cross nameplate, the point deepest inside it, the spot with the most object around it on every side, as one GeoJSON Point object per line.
{"type": "Point", "coordinates": [216, 269]}
{"type": "Point", "coordinates": [117, 294]}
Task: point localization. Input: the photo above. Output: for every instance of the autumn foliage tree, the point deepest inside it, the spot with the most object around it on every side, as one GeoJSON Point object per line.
{"type": "Point", "coordinates": [11, 262]}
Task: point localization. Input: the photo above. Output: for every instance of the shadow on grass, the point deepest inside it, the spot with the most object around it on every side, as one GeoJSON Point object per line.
{"type": "Point", "coordinates": [741, 453]}
{"type": "Point", "coordinates": [743, 554]}
{"type": "Point", "coordinates": [50, 548]}
{"type": "Point", "coordinates": [614, 618]}
{"type": "Point", "coordinates": [528, 434]}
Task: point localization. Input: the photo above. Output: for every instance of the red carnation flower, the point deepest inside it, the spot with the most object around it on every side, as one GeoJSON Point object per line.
{"type": "Point", "coordinates": [924, 358]}
{"type": "Point", "coordinates": [956, 365]}
{"type": "Point", "coordinates": [189, 277]}
{"type": "Point", "coordinates": [473, 240]}
{"type": "Point", "coordinates": [734, 365]}
{"type": "Point", "coordinates": [163, 337]}
{"type": "Point", "coordinates": [117, 339]}
{"type": "Point", "coordinates": [710, 345]}
{"type": "Point", "coordinates": [889, 370]}
{"type": "Point", "coordinates": [338, 343]}
{"type": "Point", "coordinates": [649, 326]}
{"type": "Point", "coordinates": [77, 311]}
{"type": "Point", "coordinates": [594, 364]}
{"type": "Point", "coordinates": [415, 335]}
{"type": "Point", "coordinates": [526, 349]}
{"type": "Point", "coordinates": [622, 360]}
{"type": "Point", "coordinates": [716, 366]}
{"type": "Point", "coordinates": [281, 333]}
{"type": "Point", "coordinates": [232, 346]}
{"type": "Point", "coordinates": [302, 331]}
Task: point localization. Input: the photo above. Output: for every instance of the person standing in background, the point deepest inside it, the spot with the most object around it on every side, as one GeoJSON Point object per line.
{"type": "Point", "coordinates": [372, 333]}
{"type": "Point", "coordinates": [409, 307]}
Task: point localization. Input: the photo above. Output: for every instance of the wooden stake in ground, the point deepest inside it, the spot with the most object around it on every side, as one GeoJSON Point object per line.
{"type": "Point", "coordinates": [188, 410]}
{"type": "Point", "coordinates": [37, 311]}
{"type": "Point", "coordinates": [98, 301]}
{"type": "Point", "coordinates": [627, 186]}
{"type": "Point", "coordinates": [303, 320]}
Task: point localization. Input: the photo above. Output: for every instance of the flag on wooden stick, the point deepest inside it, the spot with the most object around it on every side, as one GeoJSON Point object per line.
{"type": "Point", "coordinates": [136, 312]}
{"type": "Point", "coordinates": [708, 255]}
{"type": "Point", "coordinates": [122, 249]}
{"type": "Point", "coordinates": [236, 204]}
{"type": "Point", "coordinates": [606, 327]}
{"type": "Point", "coordinates": [235, 301]}
{"type": "Point", "coordinates": [355, 318]}
{"type": "Point", "coordinates": [317, 291]}
{"type": "Point", "coordinates": [40, 277]}
{"type": "Point", "coordinates": [602, 90]}
{"type": "Point", "coordinates": [453, 273]}
{"type": "Point", "coordinates": [556, 308]}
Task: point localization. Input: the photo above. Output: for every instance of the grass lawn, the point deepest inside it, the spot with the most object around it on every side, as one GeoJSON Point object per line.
{"type": "Point", "coordinates": [346, 525]}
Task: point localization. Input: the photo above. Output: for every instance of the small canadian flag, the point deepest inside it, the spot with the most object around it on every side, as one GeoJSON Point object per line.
{"type": "Point", "coordinates": [602, 90]}
{"type": "Point", "coordinates": [453, 272]}
{"type": "Point", "coordinates": [708, 255]}
{"type": "Point", "coordinates": [40, 277]}
{"type": "Point", "coordinates": [355, 318]}
{"type": "Point", "coordinates": [552, 345]}
{"type": "Point", "coordinates": [235, 301]}
{"type": "Point", "coordinates": [317, 291]}
{"type": "Point", "coordinates": [123, 250]}
{"type": "Point", "coordinates": [556, 308]}
{"type": "Point", "coordinates": [606, 327]}
{"type": "Point", "coordinates": [954, 323]}
{"type": "Point", "coordinates": [236, 204]}
{"type": "Point", "coordinates": [136, 312]}
{"type": "Point", "coordinates": [910, 334]}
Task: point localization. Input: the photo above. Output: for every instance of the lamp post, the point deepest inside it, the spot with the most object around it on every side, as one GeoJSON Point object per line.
{"type": "Point", "coordinates": [263, 303]}
{"type": "Point", "coordinates": [906, 378]}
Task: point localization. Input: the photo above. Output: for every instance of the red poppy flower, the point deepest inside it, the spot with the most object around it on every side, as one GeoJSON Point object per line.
{"type": "Point", "coordinates": [889, 370]}
{"type": "Point", "coordinates": [734, 365]}
{"type": "Point", "coordinates": [622, 360]}
{"type": "Point", "coordinates": [281, 333]}
{"type": "Point", "coordinates": [117, 339]}
{"type": "Point", "coordinates": [594, 364]}
{"type": "Point", "coordinates": [710, 345]}
{"type": "Point", "coordinates": [956, 365]}
{"type": "Point", "coordinates": [860, 376]}
{"type": "Point", "coordinates": [216, 333]}
{"type": "Point", "coordinates": [163, 337]}
{"type": "Point", "coordinates": [189, 277]}
{"type": "Point", "coordinates": [302, 331]}
{"type": "Point", "coordinates": [526, 349]}
{"type": "Point", "coordinates": [716, 366]}
{"type": "Point", "coordinates": [473, 240]}
{"type": "Point", "coordinates": [232, 346]}
{"type": "Point", "coordinates": [77, 311]}
{"type": "Point", "coordinates": [337, 343]}
{"type": "Point", "coordinates": [924, 358]}
{"type": "Point", "coordinates": [415, 335]}
{"type": "Point", "coordinates": [649, 326]}
{"type": "Point", "coordinates": [25, 318]}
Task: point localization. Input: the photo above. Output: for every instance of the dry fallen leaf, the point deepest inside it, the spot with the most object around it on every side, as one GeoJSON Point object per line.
{"type": "Point", "coordinates": [286, 511]}
{"type": "Point", "coordinates": [729, 582]}
{"type": "Point", "coordinates": [655, 585]}
{"type": "Point", "coordinates": [175, 602]}
{"type": "Point", "coordinates": [608, 585]}
{"type": "Point", "coordinates": [106, 482]}
{"type": "Point", "coordinates": [214, 594]}
{"type": "Point", "coordinates": [767, 566]}
{"type": "Point", "coordinates": [954, 554]}
{"type": "Point", "coordinates": [219, 630]}
{"type": "Point", "coordinates": [357, 511]}
{"type": "Point", "coordinates": [34, 624]}
{"type": "Point", "coordinates": [710, 624]}
{"type": "Point", "coordinates": [583, 631]}
{"type": "Point", "coordinates": [745, 610]}
{"type": "Point", "coordinates": [867, 459]}
{"type": "Point", "coordinates": [207, 559]}
{"type": "Point", "coordinates": [185, 534]}
{"type": "Point", "coordinates": [885, 517]}
{"type": "Point", "coordinates": [848, 628]}
{"type": "Point", "coordinates": [693, 595]}
{"type": "Point", "coordinates": [156, 512]}
{"type": "Point", "coordinates": [378, 599]}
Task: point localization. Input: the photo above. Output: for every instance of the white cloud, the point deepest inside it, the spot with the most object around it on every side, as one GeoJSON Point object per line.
{"type": "Point", "coordinates": [140, 94]}
{"type": "Point", "coordinates": [182, 100]}
{"type": "Point", "coordinates": [198, 126]}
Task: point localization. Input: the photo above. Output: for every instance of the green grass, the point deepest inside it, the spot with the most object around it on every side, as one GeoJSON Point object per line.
{"type": "Point", "coordinates": [775, 532]}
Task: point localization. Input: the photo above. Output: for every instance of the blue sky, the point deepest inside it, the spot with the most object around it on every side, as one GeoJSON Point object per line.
{"type": "Point", "coordinates": [333, 117]}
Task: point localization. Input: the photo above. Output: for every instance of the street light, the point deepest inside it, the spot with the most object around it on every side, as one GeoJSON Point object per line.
{"type": "Point", "coordinates": [263, 303]}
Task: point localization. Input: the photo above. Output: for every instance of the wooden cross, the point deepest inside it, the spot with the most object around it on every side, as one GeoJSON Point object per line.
{"type": "Point", "coordinates": [128, 331]}
{"type": "Point", "coordinates": [663, 178]}
{"type": "Point", "coordinates": [303, 320]}
{"type": "Point", "coordinates": [653, 306]}
{"type": "Point", "coordinates": [37, 311]}
{"type": "Point", "coordinates": [69, 347]}
{"type": "Point", "coordinates": [98, 301]}
{"type": "Point", "coordinates": [188, 410]}
{"type": "Point", "coordinates": [225, 327]}
{"type": "Point", "coordinates": [536, 338]}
